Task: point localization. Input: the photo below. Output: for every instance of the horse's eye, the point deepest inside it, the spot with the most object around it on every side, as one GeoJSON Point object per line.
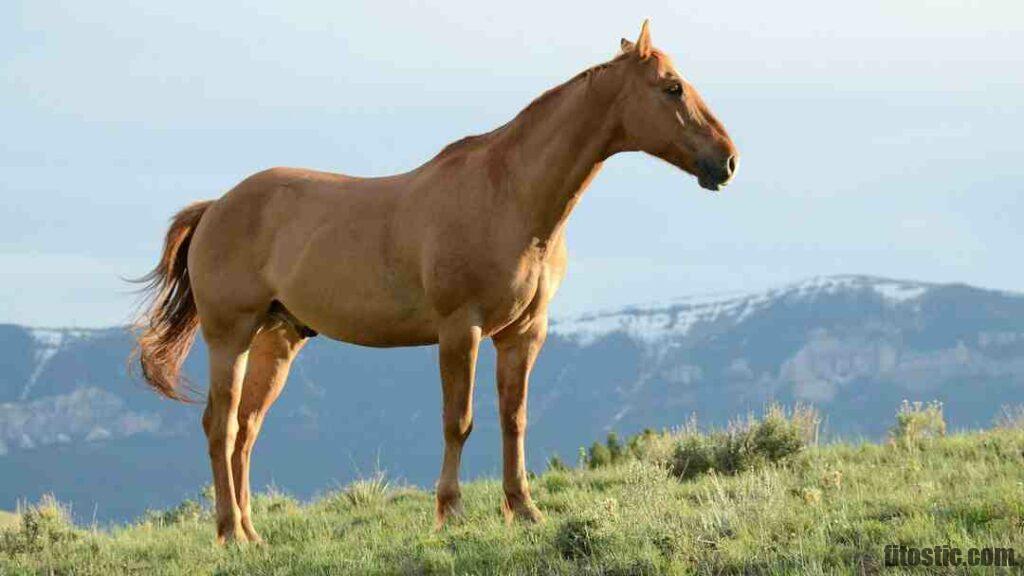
{"type": "Point", "coordinates": [674, 89]}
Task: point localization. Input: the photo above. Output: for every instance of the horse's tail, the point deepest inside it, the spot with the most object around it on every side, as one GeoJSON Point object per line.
{"type": "Point", "coordinates": [166, 330]}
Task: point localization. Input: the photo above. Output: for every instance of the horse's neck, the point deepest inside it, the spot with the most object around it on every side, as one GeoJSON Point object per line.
{"type": "Point", "coordinates": [555, 150]}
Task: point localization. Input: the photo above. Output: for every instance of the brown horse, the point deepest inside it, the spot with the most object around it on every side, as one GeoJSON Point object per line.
{"type": "Point", "coordinates": [470, 245]}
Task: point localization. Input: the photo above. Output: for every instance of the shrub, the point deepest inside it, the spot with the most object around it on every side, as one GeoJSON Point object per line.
{"type": "Point", "coordinates": [42, 525]}
{"type": "Point", "coordinates": [615, 448]}
{"type": "Point", "coordinates": [744, 445]}
{"type": "Point", "coordinates": [648, 446]}
{"type": "Point", "coordinates": [747, 444]}
{"type": "Point", "coordinates": [917, 423]}
{"type": "Point", "coordinates": [598, 456]}
{"type": "Point", "coordinates": [556, 464]}
{"type": "Point", "coordinates": [776, 436]}
{"type": "Point", "coordinates": [694, 455]}
{"type": "Point", "coordinates": [653, 447]}
{"type": "Point", "coordinates": [188, 511]}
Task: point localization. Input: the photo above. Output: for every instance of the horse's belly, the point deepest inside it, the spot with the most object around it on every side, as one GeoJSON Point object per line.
{"type": "Point", "coordinates": [381, 332]}
{"type": "Point", "coordinates": [366, 323]}
{"type": "Point", "coordinates": [360, 304]}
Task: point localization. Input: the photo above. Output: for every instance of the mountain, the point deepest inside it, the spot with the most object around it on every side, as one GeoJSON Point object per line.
{"type": "Point", "coordinates": [73, 422]}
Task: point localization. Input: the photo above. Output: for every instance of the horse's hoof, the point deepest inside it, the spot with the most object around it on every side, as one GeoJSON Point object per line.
{"type": "Point", "coordinates": [233, 536]}
{"type": "Point", "coordinates": [250, 532]}
{"type": "Point", "coordinates": [448, 512]}
{"type": "Point", "coordinates": [522, 510]}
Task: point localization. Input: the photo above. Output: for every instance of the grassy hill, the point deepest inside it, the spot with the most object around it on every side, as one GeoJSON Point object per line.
{"type": "Point", "coordinates": [746, 501]}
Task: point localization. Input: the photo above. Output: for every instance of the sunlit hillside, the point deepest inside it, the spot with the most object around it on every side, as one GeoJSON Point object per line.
{"type": "Point", "coordinates": [757, 498]}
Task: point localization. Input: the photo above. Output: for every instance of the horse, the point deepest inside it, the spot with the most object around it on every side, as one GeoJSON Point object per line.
{"type": "Point", "coordinates": [468, 246]}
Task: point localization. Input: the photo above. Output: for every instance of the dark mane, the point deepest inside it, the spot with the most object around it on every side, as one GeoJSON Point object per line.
{"type": "Point", "coordinates": [470, 142]}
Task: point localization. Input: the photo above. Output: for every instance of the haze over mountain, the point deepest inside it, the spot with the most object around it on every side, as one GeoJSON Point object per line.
{"type": "Point", "coordinates": [72, 422]}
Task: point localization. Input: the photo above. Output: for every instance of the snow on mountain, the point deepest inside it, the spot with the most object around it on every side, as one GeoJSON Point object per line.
{"type": "Point", "coordinates": [677, 318]}
{"type": "Point", "coordinates": [57, 402]}
{"type": "Point", "coordinates": [49, 342]}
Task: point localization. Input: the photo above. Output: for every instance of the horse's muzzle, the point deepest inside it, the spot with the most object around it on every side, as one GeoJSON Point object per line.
{"type": "Point", "coordinates": [714, 175]}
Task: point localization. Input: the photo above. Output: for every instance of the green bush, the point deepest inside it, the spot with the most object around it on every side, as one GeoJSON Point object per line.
{"type": "Point", "coordinates": [188, 511]}
{"type": "Point", "coordinates": [777, 437]}
{"type": "Point", "coordinates": [694, 455]}
{"type": "Point", "coordinates": [648, 446]}
{"type": "Point", "coordinates": [598, 456]}
{"type": "Point", "coordinates": [745, 445]}
{"type": "Point", "coordinates": [654, 447]}
{"type": "Point", "coordinates": [43, 525]}
{"type": "Point", "coordinates": [615, 447]}
{"type": "Point", "coordinates": [556, 464]}
{"type": "Point", "coordinates": [918, 423]}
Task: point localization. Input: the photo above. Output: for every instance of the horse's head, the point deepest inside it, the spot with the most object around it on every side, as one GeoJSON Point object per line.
{"type": "Point", "coordinates": [663, 115]}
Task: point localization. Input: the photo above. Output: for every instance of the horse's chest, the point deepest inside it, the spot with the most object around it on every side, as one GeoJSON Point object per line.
{"type": "Point", "coordinates": [500, 290]}
{"type": "Point", "coordinates": [520, 294]}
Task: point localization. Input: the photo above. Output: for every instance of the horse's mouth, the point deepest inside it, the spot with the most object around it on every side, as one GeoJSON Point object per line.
{"type": "Point", "coordinates": [709, 184]}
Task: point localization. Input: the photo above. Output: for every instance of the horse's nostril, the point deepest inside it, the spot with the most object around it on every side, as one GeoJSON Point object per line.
{"type": "Point", "coordinates": [730, 165]}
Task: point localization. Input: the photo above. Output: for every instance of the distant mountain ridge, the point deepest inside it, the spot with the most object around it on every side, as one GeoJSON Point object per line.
{"type": "Point", "coordinates": [676, 318]}
{"type": "Point", "coordinates": [73, 422]}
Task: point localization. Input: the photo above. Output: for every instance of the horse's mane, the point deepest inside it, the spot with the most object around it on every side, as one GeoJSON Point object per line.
{"type": "Point", "coordinates": [471, 142]}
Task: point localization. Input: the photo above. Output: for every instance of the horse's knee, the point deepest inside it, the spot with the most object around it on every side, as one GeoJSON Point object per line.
{"type": "Point", "coordinates": [457, 430]}
{"type": "Point", "coordinates": [513, 423]}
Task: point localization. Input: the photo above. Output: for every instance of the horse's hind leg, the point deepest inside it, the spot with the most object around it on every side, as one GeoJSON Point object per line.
{"type": "Point", "coordinates": [270, 357]}
{"type": "Point", "coordinates": [228, 343]}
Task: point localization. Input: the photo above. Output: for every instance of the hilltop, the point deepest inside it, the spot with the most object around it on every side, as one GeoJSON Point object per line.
{"type": "Point", "coordinates": [831, 508]}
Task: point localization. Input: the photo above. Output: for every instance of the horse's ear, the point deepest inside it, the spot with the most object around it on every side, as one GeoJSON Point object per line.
{"type": "Point", "coordinates": [643, 43]}
{"type": "Point", "coordinates": [626, 45]}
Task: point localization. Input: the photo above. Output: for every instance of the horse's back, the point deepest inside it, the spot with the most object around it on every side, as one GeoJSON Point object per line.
{"type": "Point", "coordinates": [322, 244]}
{"type": "Point", "coordinates": [244, 234]}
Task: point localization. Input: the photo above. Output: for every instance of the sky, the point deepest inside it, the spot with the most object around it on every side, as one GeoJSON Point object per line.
{"type": "Point", "coordinates": [877, 137]}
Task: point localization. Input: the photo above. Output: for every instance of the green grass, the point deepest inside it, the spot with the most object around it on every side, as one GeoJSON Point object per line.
{"type": "Point", "coordinates": [826, 509]}
{"type": "Point", "coordinates": [8, 520]}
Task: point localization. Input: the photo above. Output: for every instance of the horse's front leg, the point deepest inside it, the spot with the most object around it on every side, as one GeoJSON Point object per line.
{"type": "Point", "coordinates": [517, 352]}
{"type": "Point", "coordinates": [459, 341]}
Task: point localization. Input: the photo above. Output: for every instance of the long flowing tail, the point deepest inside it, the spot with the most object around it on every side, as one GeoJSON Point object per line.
{"type": "Point", "coordinates": [166, 330]}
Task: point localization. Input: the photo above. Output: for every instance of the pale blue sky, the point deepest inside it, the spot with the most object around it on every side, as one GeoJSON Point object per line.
{"type": "Point", "coordinates": [879, 136]}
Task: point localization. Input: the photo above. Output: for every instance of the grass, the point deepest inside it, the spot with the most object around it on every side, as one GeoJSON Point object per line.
{"type": "Point", "coordinates": [9, 520]}
{"type": "Point", "coordinates": [818, 509]}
